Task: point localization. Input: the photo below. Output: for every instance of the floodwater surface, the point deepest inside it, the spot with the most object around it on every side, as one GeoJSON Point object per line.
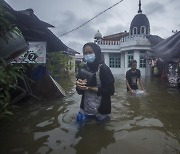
{"type": "Point", "coordinates": [147, 124]}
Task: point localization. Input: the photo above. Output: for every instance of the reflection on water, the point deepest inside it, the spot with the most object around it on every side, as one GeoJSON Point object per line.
{"type": "Point", "coordinates": [149, 124]}
{"type": "Point", "coordinates": [93, 138]}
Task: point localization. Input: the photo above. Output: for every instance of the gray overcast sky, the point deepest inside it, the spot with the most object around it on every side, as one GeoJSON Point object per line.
{"type": "Point", "coordinates": [68, 14]}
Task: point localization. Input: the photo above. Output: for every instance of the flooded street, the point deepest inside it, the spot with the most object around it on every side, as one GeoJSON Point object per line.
{"type": "Point", "coordinates": [148, 124]}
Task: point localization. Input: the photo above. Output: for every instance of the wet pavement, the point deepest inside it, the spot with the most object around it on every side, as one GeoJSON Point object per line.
{"type": "Point", "coordinates": [147, 124]}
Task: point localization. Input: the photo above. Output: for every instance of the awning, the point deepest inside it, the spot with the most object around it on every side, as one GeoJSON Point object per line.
{"type": "Point", "coordinates": [169, 48]}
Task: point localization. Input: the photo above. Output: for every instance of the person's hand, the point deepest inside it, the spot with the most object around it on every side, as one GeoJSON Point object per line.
{"type": "Point", "coordinates": [132, 92]}
{"type": "Point", "coordinates": [144, 91]}
{"type": "Point", "coordinates": [81, 84]}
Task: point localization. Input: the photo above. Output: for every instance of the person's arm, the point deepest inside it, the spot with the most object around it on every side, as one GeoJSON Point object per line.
{"type": "Point", "coordinates": [127, 83]}
{"type": "Point", "coordinates": [140, 81]}
{"type": "Point", "coordinates": [93, 88]}
{"type": "Point", "coordinates": [81, 86]}
{"type": "Point", "coordinates": [141, 84]}
{"type": "Point", "coordinates": [107, 87]}
{"type": "Point", "coordinates": [128, 86]}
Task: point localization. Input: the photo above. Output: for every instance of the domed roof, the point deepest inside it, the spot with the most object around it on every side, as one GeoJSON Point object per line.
{"type": "Point", "coordinates": [98, 35]}
{"type": "Point", "coordinates": [140, 20]}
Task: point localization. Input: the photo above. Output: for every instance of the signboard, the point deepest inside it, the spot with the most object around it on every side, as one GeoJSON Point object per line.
{"type": "Point", "coordinates": [35, 54]}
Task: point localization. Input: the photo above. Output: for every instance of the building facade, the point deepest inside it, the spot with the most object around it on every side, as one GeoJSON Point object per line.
{"type": "Point", "coordinates": [119, 49]}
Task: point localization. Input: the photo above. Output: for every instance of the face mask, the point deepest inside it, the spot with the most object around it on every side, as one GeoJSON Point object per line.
{"type": "Point", "coordinates": [89, 58]}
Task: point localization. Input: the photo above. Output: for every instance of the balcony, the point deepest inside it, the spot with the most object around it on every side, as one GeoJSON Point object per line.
{"type": "Point", "coordinates": [107, 45]}
{"type": "Point", "coordinates": [135, 40]}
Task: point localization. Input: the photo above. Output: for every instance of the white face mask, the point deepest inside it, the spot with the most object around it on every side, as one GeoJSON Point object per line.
{"type": "Point", "coordinates": [89, 58]}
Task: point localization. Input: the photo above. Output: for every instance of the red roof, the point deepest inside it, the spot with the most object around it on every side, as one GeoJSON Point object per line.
{"type": "Point", "coordinates": [115, 37]}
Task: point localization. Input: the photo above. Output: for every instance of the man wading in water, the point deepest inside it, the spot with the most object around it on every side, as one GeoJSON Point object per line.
{"type": "Point", "coordinates": [132, 77]}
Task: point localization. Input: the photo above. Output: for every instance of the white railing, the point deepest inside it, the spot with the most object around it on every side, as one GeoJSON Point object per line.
{"type": "Point", "coordinates": [139, 40]}
{"type": "Point", "coordinates": [108, 42]}
{"type": "Point", "coordinates": [125, 42]}
{"type": "Point", "coordinates": [133, 38]}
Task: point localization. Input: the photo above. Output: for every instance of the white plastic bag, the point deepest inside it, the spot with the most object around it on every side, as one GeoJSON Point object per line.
{"type": "Point", "coordinates": [139, 92]}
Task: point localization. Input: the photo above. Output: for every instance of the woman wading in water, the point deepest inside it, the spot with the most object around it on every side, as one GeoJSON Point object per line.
{"type": "Point", "coordinates": [95, 83]}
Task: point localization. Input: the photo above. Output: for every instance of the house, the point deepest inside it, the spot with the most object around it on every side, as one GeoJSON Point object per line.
{"type": "Point", "coordinates": [43, 42]}
{"type": "Point", "coordinates": [119, 49]}
{"type": "Point", "coordinates": [36, 30]}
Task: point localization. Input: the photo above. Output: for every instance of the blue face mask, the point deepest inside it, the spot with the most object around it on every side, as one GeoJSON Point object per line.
{"type": "Point", "coordinates": [89, 58]}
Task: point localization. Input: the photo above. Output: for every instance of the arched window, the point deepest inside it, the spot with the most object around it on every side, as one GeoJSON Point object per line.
{"type": "Point", "coordinates": [143, 30]}
{"type": "Point", "coordinates": [134, 30]}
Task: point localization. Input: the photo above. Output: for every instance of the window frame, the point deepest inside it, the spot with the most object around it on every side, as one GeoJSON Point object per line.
{"type": "Point", "coordinates": [135, 31]}
{"type": "Point", "coordinates": [115, 60]}
{"type": "Point", "coordinates": [142, 61]}
{"type": "Point", "coordinates": [143, 27]}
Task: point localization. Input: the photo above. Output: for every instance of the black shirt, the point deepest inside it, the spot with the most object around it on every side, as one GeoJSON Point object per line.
{"type": "Point", "coordinates": [132, 78]}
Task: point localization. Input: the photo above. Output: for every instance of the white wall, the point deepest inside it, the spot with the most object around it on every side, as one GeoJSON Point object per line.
{"type": "Point", "coordinates": [106, 58]}
{"type": "Point", "coordinates": [124, 64]}
{"type": "Point", "coordinates": [136, 43]}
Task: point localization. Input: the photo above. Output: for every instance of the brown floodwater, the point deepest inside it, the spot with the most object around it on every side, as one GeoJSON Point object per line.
{"type": "Point", "coordinates": [147, 124]}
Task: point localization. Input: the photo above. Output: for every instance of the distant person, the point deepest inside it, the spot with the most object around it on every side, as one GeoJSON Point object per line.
{"type": "Point", "coordinates": [95, 83]}
{"type": "Point", "coordinates": [133, 76]}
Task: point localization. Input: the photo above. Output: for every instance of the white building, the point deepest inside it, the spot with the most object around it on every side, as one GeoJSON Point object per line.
{"type": "Point", "coordinates": [119, 49]}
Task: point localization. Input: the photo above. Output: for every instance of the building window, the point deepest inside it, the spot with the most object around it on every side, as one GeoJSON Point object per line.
{"type": "Point", "coordinates": [142, 60]}
{"type": "Point", "coordinates": [130, 57]}
{"type": "Point", "coordinates": [143, 30]}
{"type": "Point", "coordinates": [134, 30]}
{"type": "Point", "coordinates": [115, 60]}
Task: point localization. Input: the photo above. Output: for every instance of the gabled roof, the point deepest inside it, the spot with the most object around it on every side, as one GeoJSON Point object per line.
{"type": "Point", "coordinates": [31, 19]}
{"type": "Point", "coordinates": [34, 29]}
{"type": "Point", "coordinates": [154, 39]}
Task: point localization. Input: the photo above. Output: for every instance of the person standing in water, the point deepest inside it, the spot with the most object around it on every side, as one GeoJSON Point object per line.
{"type": "Point", "coordinates": [133, 76]}
{"type": "Point", "coordinates": [95, 83]}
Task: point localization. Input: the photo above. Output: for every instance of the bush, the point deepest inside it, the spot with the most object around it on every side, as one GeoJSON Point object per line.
{"type": "Point", "coordinates": [9, 74]}
{"type": "Point", "coordinates": [58, 65]}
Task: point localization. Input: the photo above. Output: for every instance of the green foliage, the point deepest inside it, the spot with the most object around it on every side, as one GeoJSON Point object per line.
{"type": "Point", "coordinates": [5, 25]}
{"type": "Point", "coordinates": [58, 65]}
{"type": "Point", "coordinates": [9, 74]}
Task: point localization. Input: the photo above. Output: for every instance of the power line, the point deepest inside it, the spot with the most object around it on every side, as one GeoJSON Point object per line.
{"type": "Point", "coordinates": [148, 13]}
{"type": "Point", "coordinates": [91, 18]}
